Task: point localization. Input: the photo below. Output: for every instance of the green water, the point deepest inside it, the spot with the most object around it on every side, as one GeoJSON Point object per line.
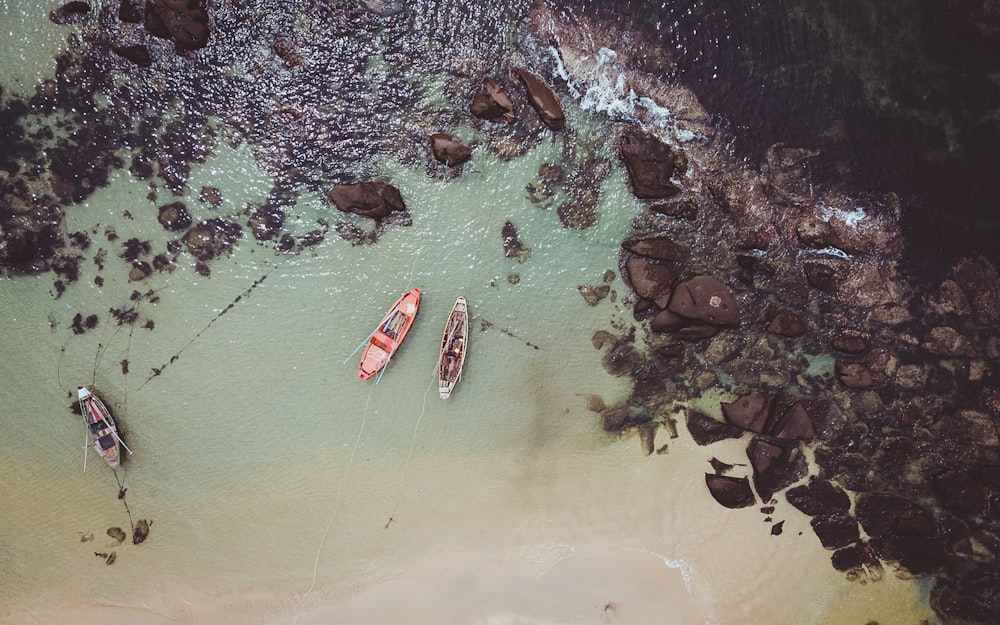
{"type": "Point", "coordinates": [277, 483]}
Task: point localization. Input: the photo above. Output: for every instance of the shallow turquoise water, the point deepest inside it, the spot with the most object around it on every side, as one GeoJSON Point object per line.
{"type": "Point", "coordinates": [273, 476]}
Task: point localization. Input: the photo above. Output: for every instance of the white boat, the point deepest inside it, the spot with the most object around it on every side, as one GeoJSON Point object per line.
{"type": "Point", "coordinates": [454, 345]}
{"type": "Point", "coordinates": [101, 427]}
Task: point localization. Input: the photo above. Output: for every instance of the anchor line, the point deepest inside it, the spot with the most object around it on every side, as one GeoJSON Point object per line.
{"type": "Point", "coordinates": [336, 505]}
{"type": "Point", "coordinates": [157, 371]}
{"type": "Point", "coordinates": [409, 453]}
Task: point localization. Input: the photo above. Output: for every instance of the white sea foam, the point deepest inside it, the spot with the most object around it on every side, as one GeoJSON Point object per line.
{"type": "Point", "coordinates": [851, 217]}
{"type": "Point", "coordinates": [825, 251]}
{"type": "Point", "coordinates": [600, 84]}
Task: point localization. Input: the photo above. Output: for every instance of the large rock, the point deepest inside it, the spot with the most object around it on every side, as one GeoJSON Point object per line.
{"type": "Point", "coordinates": [980, 280]}
{"type": "Point", "coordinates": [786, 172]}
{"type": "Point", "coordinates": [657, 246]}
{"type": "Point", "coordinates": [749, 412]}
{"type": "Point", "coordinates": [957, 608]}
{"type": "Point", "coordinates": [787, 323]}
{"type": "Point", "coordinates": [851, 342]}
{"type": "Point", "coordinates": [960, 493]}
{"type": "Point", "coordinates": [731, 492]}
{"type": "Point", "coordinates": [449, 150]}
{"type": "Point", "coordinates": [184, 21]}
{"type": "Point", "coordinates": [212, 238]}
{"type": "Point", "coordinates": [369, 199]}
{"type": "Point", "coordinates": [650, 280]}
{"type": "Point", "coordinates": [651, 164]}
{"type": "Point", "coordinates": [855, 375]}
{"type": "Point", "coordinates": [70, 13]}
{"type": "Point", "coordinates": [775, 466]}
{"type": "Point", "coordinates": [856, 558]}
{"type": "Point", "coordinates": [706, 299]}
{"type": "Point", "coordinates": [541, 97]}
{"type": "Point", "coordinates": [836, 530]}
{"type": "Point", "coordinates": [818, 497]}
{"type": "Point", "coordinates": [138, 54]}
{"type": "Point", "coordinates": [794, 424]}
{"type": "Point", "coordinates": [946, 341]}
{"type": "Point", "coordinates": [174, 216]}
{"type": "Point", "coordinates": [491, 103]}
{"type": "Point", "coordinates": [129, 12]}
{"type": "Point", "coordinates": [901, 531]}
{"type": "Point", "coordinates": [706, 430]}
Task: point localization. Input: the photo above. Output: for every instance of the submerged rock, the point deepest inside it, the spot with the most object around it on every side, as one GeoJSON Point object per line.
{"type": "Point", "coordinates": [594, 294]}
{"type": "Point", "coordinates": [854, 374]}
{"type": "Point", "coordinates": [946, 341]}
{"type": "Point", "coordinates": [622, 358]}
{"type": "Point", "coordinates": [138, 54]}
{"type": "Point", "coordinates": [118, 534]}
{"type": "Point", "coordinates": [184, 21]}
{"type": "Point", "coordinates": [266, 221]}
{"type": "Point", "coordinates": [851, 342]}
{"type": "Point", "coordinates": [129, 12]}
{"type": "Point", "coordinates": [385, 8]}
{"type": "Point", "coordinates": [140, 532]}
{"type": "Point", "coordinates": [174, 216]}
{"type": "Point", "coordinates": [212, 238]}
{"type": "Point", "coordinates": [512, 246]}
{"type": "Point", "coordinates": [70, 13]}
{"type": "Point", "coordinates": [981, 281]}
{"type": "Point", "coordinates": [577, 214]}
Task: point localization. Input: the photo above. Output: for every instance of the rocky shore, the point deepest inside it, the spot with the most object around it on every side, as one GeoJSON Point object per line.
{"type": "Point", "coordinates": [867, 400]}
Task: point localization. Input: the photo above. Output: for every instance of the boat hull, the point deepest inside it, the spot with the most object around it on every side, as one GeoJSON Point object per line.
{"type": "Point", "coordinates": [101, 426]}
{"type": "Point", "coordinates": [389, 334]}
{"type": "Point", "coordinates": [454, 345]}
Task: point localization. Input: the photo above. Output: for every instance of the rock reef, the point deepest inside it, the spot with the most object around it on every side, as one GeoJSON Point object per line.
{"type": "Point", "coordinates": [791, 298]}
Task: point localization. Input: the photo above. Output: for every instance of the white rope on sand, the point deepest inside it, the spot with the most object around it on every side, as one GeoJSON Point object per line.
{"type": "Point", "coordinates": [406, 465]}
{"type": "Point", "coordinates": [336, 507]}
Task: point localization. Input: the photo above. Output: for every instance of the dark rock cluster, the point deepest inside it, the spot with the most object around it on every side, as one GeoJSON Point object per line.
{"type": "Point", "coordinates": [868, 399]}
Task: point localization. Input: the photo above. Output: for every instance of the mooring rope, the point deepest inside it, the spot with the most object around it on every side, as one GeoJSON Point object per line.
{"type": "Point", "coordinates": [409, 453]}
{"type": "Point", "coordinates": [336, 505]}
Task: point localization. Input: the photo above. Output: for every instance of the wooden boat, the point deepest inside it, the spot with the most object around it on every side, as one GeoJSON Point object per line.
{"type": "Point", "coordinates": [101, 427]}
{"type": "Point", "coordinates": [385, 340]}
{"type": "Point", "coordinates": [454, 344]}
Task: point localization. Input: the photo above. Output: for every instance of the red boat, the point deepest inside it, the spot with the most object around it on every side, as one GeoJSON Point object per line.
{"type": "Point", "coordinates": [385, 340]}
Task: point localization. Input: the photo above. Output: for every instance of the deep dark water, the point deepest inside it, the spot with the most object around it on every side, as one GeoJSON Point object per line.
{"type": "Point", "coordinates": [897, 95]}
